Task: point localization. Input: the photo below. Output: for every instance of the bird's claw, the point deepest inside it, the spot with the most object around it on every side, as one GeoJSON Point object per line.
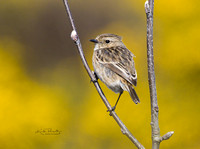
{"type": "Point", "coordinates": [96, 78]}
{"type": "Point", "coordinates": [93, 80]}
{"type": "Point", "coordinates": [111, 110]}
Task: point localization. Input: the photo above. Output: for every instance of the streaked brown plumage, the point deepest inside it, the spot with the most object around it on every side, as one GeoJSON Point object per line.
{"type": "Point", "coordinates": [114, 66]}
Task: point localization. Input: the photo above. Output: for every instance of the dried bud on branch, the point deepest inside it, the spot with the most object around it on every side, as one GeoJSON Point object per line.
{"type": "Point", "coordinates": [74, 36]}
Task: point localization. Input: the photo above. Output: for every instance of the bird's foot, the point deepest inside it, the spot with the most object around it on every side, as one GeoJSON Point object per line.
{"type": "Point", "coordinates": [96, 78]}
{"type": "Point", "coordinates": [93, 80]}
{"type": "Point", "coordinates": [111, 110]}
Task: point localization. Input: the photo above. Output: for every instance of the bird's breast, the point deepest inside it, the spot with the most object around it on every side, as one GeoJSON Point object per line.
{"type": "Point", "coordinates": [108, 77]}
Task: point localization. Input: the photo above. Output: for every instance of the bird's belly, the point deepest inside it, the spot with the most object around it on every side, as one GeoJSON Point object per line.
{"type": "Point", "coordinates": [115, 86]}
{"type": "Point", "coordinates": [109, 78]}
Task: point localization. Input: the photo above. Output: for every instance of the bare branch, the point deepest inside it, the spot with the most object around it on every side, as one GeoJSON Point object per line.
{"type": "Point", "coordinates": [156, 138]}
{"type": "Point", "coordinates": [76, 39]}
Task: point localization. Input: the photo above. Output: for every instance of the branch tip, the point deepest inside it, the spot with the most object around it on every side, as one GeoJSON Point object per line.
{"type": "Point", "coordinates": [167, 135]}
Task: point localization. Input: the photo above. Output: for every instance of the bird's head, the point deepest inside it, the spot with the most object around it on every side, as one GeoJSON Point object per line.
{"type": "Point", "coordinates": [107, 41]}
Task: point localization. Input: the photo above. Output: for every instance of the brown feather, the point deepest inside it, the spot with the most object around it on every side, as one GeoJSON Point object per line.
{"type": "Point", "coordinates": [120, 61]}
{"type": "Point", "coordinates": [133, 94]}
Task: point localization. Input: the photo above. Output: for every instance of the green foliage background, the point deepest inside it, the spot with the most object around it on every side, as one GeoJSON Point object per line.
{"type": "Point", "coordinates": [43, 83]}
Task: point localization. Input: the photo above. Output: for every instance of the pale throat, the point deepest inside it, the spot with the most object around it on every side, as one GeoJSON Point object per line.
{"type": "Point", "coordinates": [96, 47]}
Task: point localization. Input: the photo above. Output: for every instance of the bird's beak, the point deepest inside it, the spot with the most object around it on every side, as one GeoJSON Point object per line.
{"type": "Point", "coordinates": [94, 40]}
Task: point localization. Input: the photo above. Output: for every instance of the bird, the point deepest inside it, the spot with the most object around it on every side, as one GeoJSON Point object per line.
{"type": "Point", "coordinates": [114, 65]}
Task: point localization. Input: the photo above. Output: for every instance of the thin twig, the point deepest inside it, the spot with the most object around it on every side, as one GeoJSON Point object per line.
{"type": "Point", "coordinates": [156, 138]}
{"type": "Point", "coordinates": [75, 38]}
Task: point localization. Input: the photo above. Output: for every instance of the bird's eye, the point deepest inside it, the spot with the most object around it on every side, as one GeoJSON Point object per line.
{"type": "Point", "coordinates": [107, 41]}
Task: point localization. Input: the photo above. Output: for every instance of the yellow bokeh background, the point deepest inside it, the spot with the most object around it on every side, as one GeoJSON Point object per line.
{"type": "Point", "coordinates": [43, 84]}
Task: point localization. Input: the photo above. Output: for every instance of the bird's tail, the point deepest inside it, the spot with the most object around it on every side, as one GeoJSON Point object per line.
{"type": "Point", "coordinates": [128, 87]}
{"type": "Point", "coordinates": [133, 94]}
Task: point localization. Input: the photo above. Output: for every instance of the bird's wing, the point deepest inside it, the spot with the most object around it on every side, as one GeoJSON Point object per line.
{"type": "Point", "coordinates": [120, 61]}
{"type": "Point", "coordinates": [121, 72]}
